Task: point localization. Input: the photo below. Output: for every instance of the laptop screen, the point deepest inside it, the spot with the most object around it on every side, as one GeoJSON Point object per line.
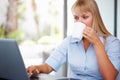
{"type": "Point", "coordinates": [11, 63]}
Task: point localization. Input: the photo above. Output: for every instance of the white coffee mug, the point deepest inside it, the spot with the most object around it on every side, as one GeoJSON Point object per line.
{"type": "Point", "coordinates": [77, 30]}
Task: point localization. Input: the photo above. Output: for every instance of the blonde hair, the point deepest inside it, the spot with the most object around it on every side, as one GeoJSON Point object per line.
{"type": "Point", "coordinates": [91, 6]}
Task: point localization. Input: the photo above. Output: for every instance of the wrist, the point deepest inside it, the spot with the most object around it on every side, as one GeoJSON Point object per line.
{"type": "Point", "coordinates": [98, 44]}
{"type": "Point", "coordinates": [37, 67]}
{"type": "Point", "coordinates": [96, 41]}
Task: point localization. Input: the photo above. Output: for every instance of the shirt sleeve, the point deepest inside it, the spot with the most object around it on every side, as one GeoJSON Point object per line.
{"type": "Point", "coordinates": [113, 51]}
{"type": "Point", "coordinates": [59, 56]}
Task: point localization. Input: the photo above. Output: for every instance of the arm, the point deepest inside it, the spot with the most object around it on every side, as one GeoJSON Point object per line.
{"type": "Point", "coordinates": [37, 69]}
{"type": "Point", "coordinates": [54, 61]}
{"type": "Point", "coordinates": [107, 69]}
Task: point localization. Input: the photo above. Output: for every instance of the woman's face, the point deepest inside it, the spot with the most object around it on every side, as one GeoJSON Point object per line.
{"type": "Point", "coordinates": [85, 17]}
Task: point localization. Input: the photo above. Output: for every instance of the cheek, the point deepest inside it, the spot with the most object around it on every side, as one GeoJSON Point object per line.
{"type": "Point", "coordinates": [89, 22]}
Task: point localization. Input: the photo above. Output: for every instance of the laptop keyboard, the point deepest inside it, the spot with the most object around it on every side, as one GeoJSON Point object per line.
{"type": "Point", "coordinates": [34, 77]}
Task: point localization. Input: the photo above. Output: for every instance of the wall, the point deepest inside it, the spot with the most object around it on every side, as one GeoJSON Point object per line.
{"type": "Point", "coordinates": [3, 12]}
{"type": "Point", "coordinates": [107, 13]}
{"type": "Point", "coordinates": [118, 18]}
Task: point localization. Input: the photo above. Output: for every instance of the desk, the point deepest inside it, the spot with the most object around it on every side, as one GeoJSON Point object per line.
{"type": "Point", "coordinates": [50, 77]}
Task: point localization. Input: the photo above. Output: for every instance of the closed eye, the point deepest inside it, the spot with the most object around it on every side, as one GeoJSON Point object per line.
{"type": "Point", "coordinates": [85, 17]}
{"type": "Point", "coordinates": [76, 18]}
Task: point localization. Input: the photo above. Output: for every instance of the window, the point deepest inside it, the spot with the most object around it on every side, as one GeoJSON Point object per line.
{"type": "Point", "coordinates": [42, 20]}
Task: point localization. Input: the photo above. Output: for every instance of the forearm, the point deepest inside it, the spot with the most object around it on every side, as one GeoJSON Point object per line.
{"type": "Point", "coordinates": [107, 69]}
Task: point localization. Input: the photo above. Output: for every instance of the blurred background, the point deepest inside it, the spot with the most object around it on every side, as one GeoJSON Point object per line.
{"type": "Point", "coordinates": [40, 25]}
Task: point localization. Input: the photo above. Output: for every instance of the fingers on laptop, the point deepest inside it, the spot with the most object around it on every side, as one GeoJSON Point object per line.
{"type": "Point", "coordinates": [32, 70]}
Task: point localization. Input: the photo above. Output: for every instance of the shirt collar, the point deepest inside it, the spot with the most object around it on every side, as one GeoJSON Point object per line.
{"type": "Point", "coordinates": [72, 40]}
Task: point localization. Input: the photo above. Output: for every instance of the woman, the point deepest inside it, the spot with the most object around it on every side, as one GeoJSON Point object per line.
{"type": "Point", "coordinates": [95, 57]}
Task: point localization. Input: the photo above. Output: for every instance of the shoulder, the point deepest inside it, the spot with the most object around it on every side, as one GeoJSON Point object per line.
{"type": "Point", "coordinates": [67, 39]}
{"type": "Point", "coordinates": [113, 42]}
{"type": "Point", "coordinates": [65, 42]}
{"type": "Point", "coordinates": [112, 39]}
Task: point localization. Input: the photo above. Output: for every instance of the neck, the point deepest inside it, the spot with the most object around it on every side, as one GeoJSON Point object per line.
{"type": "Point", "coordinates": [86, 44]}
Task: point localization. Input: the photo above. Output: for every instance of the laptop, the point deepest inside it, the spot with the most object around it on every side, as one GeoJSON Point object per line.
{"type": "Point", "coordinates": [11, 63]}
{"type": "Point", "coordinates": [12, 66]}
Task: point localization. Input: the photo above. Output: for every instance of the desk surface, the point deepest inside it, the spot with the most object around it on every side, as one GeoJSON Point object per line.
{"type": "Point", "coordinates": [50, 77]}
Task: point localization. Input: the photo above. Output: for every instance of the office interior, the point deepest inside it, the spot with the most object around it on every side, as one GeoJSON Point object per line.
{"type": "Point", "coordinates": [37, 54]}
